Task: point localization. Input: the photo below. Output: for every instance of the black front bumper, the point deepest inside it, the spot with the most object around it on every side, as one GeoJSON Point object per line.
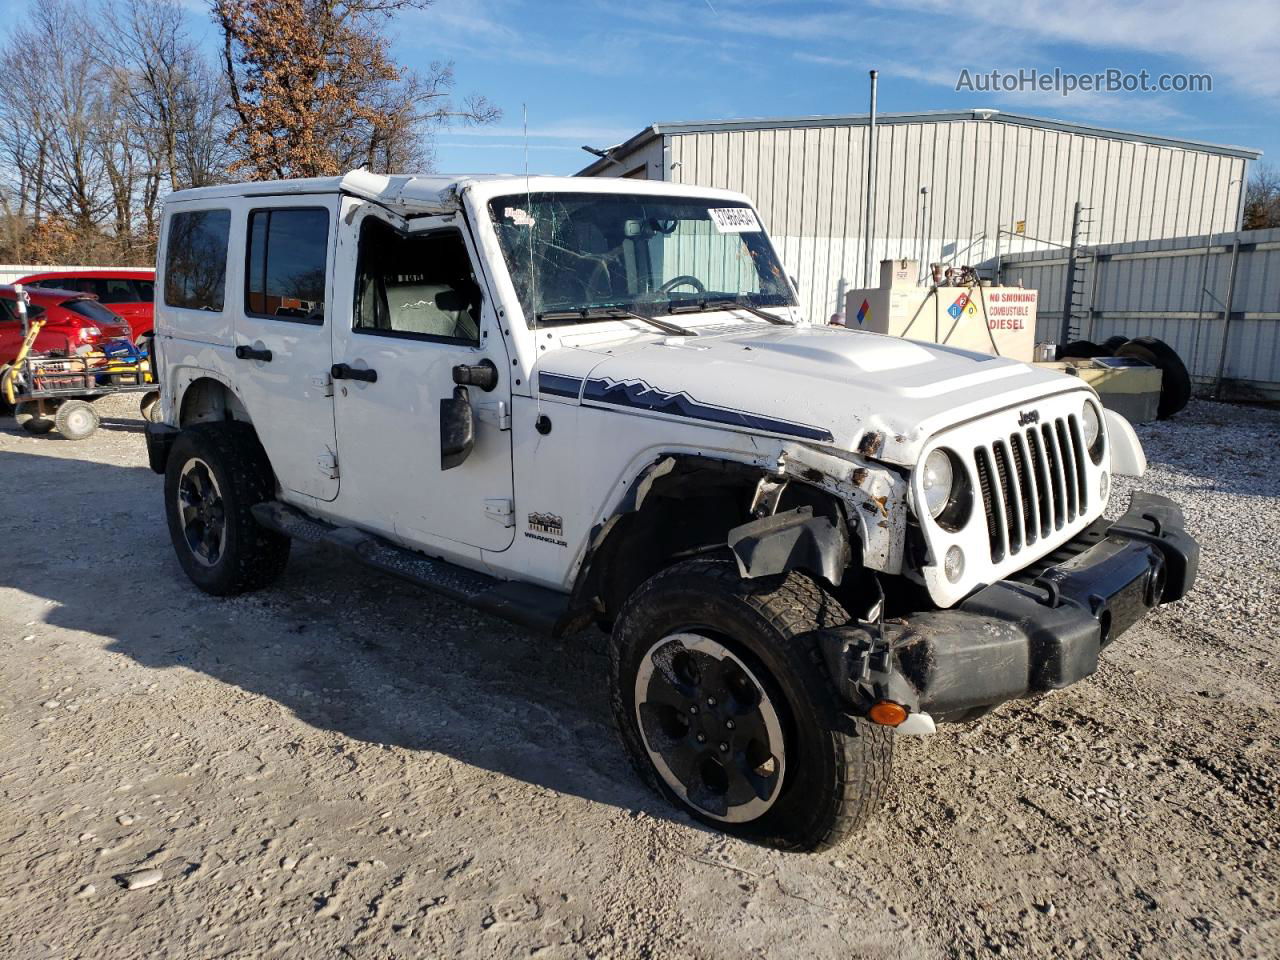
{"type": "Point", "coordinates": [1038, 632]}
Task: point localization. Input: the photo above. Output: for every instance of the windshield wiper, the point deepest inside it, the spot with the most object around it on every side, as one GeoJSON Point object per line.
{"type": "Point", "coordinates": [737, 304]}
{"type": "Point", "coordinates": [614, 313]}
{"type": "Point", "coordinates": [666, 326]}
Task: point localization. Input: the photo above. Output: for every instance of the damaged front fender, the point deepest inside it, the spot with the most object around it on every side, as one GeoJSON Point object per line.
{"type": "Point", "coordinates": [875, 499]}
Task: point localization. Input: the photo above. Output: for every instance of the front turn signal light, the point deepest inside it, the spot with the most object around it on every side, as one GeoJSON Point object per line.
{"type": "Point", "coordinates": [887, 713]}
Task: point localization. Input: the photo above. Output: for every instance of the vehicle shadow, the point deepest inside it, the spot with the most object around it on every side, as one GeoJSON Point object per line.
{"type": "Point", "coordinates": [343, 648]}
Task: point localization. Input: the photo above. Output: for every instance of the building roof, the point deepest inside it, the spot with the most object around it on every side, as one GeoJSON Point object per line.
{"type": "Point", "coordinates": [926, 116]}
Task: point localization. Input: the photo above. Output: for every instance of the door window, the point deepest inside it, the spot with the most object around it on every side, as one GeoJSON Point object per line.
{"type": "Point", "coordinates": [195, 265]}
{"type": "Point", "coordinates": [9, 310]}
{"type": "Point", "coordinates": [419, 286]}
{"type": "Point", "coordinates": [285, 264]}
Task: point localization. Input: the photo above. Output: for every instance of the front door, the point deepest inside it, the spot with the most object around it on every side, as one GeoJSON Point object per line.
{"type": "Point", "coordinates": [283, 345]}
{"type": "Point", "coordinates": [413, 307]}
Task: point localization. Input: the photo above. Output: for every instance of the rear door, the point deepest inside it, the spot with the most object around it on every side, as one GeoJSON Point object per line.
{"type": "Point", "coordinates": [282, 338]}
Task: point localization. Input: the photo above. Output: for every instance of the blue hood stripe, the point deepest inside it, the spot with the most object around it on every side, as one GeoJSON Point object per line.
{"type": "Point", "coordinates": [641, 396]}
{"type": "Point", "coordinates": [558, 385]}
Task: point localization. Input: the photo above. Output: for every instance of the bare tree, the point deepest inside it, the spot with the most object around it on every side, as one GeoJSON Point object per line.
{"type": "Point", "coordinates": [314, 90]}
{"type": "Point", "coordinates": [1262, 198]}
{"type": "Point", "coordinates": [61, 96]}
{"type": "Point", "coordinates": [98, 125]}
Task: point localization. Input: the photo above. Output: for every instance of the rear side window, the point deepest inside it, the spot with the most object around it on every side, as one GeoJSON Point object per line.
{"type": "Point", "coordinates": [195, 263]}
{"type": "Point", "coordinates": [68, 283]}
{"type": "Point", "coordinates": [285, 264]}
{"type": "Point", "coordinates": [91, 310]}
{"type": "Point", "coordinates": [119, 290]}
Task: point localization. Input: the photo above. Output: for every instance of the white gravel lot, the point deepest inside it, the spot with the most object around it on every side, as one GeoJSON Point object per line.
{"type": "Point", "coordinates": [345, 766]}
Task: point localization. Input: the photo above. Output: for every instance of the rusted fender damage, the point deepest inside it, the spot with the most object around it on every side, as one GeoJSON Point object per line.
{"type": "Point", "coordinates": [875, 498]}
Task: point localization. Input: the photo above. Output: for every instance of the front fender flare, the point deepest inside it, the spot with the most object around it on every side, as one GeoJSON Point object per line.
{"type": "Point", "coordinates": [793, 540]}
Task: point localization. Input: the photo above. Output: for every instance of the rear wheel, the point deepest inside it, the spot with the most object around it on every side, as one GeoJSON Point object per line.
{"type": "Point", "coordinates": [77, 420]}
{"type": "Point", "coordinates": [216, 473]}
{"type": "Point", "coordinates": [36, 416]}
{"type": "Point", "coordinates": [725, 706]}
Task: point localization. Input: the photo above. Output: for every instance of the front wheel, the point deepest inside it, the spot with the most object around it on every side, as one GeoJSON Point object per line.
{"type": "Point", "coordinates": [149, 406]}
{"type": "Point", "coordinates": [215, 475]}
{"type": "Point", "coordinates": [725, 705]}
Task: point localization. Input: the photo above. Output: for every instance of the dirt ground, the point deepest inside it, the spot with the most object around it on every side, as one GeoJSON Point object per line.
{"type": "Point", "coordinates": [345, 766]}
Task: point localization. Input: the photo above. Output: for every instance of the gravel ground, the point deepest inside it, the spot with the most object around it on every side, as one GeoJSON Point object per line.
{"type": "Point", "coordinates": [344, 766]}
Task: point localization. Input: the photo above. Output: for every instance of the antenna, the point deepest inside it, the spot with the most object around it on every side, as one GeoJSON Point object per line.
{"type": "Point", "coordinates": [533, 277]}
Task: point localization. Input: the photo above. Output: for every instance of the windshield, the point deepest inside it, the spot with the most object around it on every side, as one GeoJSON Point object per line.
{"type": "Point", "coordinates": [575, 253]}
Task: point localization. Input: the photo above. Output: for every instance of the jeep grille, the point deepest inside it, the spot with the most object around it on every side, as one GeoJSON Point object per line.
{"type": "Point", "coordinates": [1031, 483]}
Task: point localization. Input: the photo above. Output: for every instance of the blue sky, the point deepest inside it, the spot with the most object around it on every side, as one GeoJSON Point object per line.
{"type": "Point", "coordinates": [597, 71]}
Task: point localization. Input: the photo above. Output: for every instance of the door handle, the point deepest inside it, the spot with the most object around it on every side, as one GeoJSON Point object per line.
{"type": "Point", "coordinates": [344, 371]}
{"type": "Point", "coordinates": [249, 353]}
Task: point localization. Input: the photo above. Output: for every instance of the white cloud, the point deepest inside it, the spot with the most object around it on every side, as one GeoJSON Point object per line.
{"type": "Point", "coordinates": [1235, 39]}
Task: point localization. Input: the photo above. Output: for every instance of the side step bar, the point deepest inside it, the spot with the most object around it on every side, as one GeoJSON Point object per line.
{"type": "Point", "coordinates": [534, 607]}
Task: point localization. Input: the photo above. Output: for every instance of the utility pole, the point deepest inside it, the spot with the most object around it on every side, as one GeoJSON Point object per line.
{"type": "Point", "coordinates": [871, 185]}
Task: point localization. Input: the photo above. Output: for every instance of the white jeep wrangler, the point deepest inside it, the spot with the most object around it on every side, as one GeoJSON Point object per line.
{"type": "Point", "coordinates": [572, 401]}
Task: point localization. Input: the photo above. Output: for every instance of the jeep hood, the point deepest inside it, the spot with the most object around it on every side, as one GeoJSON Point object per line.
{"type": "Point", "coordinates": [878, 395]}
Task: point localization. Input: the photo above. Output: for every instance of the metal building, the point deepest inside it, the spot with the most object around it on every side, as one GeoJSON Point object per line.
{"type": "Point", "coordinates": [956, 187]}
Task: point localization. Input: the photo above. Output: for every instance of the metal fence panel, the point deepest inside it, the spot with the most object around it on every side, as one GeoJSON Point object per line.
{"type": "Point", "coordinates": [1175, 289]}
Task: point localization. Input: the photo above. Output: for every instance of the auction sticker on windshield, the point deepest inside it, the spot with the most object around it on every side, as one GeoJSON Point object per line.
{"type": "Point", "coordinates": [734, 219]}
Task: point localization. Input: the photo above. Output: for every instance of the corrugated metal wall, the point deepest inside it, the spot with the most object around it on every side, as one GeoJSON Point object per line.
{"type": "Point", "coordinates": [809, 183]}
{"type": "Point", "coordinates": [1154, 288]}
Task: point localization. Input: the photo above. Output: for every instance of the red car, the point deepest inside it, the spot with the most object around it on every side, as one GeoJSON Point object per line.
{"type": "Point", "coordinates": [130, 293]}
{"type": "Point", "coordinates": [72, 320]}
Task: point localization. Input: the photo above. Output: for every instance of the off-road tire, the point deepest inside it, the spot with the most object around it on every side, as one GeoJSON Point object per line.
{"type": "Point", "coordinates": [837, 767]}
{"type": "Point", "coordinates": [30, 419]}
{"type": "Point", "coordinates": [1081, 350]}
{"type": "Point", "coordinates": [1112, 344]}
{"type": "Point", "coordinates": [251, 556]}
{"type": "Point", "coordinates": [1175, 381]}
{"type": "Point", "coordinates": [76, 420]}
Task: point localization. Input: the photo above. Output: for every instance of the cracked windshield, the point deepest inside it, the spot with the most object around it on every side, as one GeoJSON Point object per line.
{"type": "Point", "coordinates": [588, 256]}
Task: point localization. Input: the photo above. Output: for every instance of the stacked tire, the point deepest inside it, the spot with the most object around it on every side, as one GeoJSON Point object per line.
{"type": "Point", "coordinates": [1175, 380]}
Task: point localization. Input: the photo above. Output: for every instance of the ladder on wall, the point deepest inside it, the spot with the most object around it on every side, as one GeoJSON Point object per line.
{"type": "Point", "coordinates": [1077, 306]}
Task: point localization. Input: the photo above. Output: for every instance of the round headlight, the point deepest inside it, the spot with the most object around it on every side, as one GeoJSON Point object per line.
{"type": "Point", "coordinates": [937, 481]}
{"type": "Point", "coordinates": [1091, 424]}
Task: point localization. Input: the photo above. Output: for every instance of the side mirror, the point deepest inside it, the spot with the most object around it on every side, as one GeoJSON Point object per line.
{"type": "Point", "coordinates": [457, 429]}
